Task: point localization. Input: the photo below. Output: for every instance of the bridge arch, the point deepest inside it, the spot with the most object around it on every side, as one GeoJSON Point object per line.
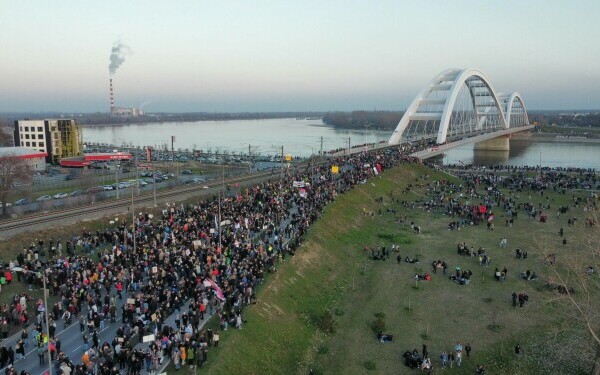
{"type": "Point", "coordinates": [458, 103]}
{"type": "Point", "coordinates": [516, 112]}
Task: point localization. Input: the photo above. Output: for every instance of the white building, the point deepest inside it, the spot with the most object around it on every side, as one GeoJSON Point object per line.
{"type": "Point", "coordinates": [57, 138]}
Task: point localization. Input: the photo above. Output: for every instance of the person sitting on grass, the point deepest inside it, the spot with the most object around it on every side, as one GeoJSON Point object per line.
{"type": "Point", "coordinates": [426, 365]}
{"type": "Point", "coordinates": [383, 337]}
{"type": "Point", "coordinates": [529, 275]}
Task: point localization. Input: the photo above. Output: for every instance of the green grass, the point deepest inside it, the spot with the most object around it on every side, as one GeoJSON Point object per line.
{"type": "Point", "coordinates": [331, 273]}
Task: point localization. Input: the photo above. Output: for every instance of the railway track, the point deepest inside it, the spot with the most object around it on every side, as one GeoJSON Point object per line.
{"type": "Point", "coordinates": [57, 215]}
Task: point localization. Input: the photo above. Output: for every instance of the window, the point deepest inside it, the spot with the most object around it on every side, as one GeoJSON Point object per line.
{"type": "Point", "coordinates": [54, 128]}
{"type": "Point", "coordinates": [27, 128]}
{"type": "Point", "coordinates": [28, 144]}
{"type": "Point", "coordinates": [20, 128]}
{"type": "Point", "coordinates": [41, 136]}
{"type": "Point", "coordinates": [21, 136]}
{"type": "Point", "coordinates": [26, 136]}
{"type": "Point", "coordinates": [40, 129]}
{"type": "Point", "coordinates": [41, 144]}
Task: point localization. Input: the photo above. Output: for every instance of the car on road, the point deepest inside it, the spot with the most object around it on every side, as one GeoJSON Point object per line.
{"type": "Point", "coordinates": [60, 195]}
{"type": "Point", "coordinates": [198, 180]}
{"type": "Point", "coordinates": [43, 198]}
{"type": "Point", "coordinates": [77, 193]}
{"type": "Point", "coordinates": [142, 183]}
{"type": "Point", "coordinates": [22, 202]}
{"type": "Point", "coordinates": [107, 187]}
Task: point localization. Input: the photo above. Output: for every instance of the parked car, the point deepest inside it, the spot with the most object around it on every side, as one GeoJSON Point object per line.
{"type": "Point", "coordinates": [77, 193]}
{"type": "Point", "coordinates": [44, 198]}
{"type": "Point", "coordinates": [22, 202]}
{"type": "Point", "coordinates": [107, 187]}
{"type": "Point", "coordinates": [97, 189]}
{"type": "Point", "coordinates": [198, 180]}
{"type": "Point", "coordinates": [142, 183]}
{"type": "Point", "coordinates": [60, 195]}
{"type": "Point", "coordinates": [186, 171]}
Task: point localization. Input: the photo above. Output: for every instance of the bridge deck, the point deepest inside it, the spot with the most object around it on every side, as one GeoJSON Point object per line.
{"type": "Point", "coordinates": [438, 150]}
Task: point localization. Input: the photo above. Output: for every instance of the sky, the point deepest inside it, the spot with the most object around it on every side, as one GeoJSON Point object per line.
{"type": "Point", "coordinates": [303, 55]}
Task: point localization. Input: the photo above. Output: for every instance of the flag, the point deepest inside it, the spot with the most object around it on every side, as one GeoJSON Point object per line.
{"type": "Point", "coordinates": [303, 193]}
{"type": "Point", "coordinates": [335, 169]}
{"type": "Point", "coordinates": [218, 290]}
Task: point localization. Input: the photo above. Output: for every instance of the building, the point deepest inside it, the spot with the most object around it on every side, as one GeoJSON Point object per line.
{"type": "Point", "coordinates": [127, 112]}
{"type": "Point", "coordinates": [86, 159]}
{"type": "Point", "coordinates": [36, 159]}
{"type": "Point", "coordinates": [57, 138]}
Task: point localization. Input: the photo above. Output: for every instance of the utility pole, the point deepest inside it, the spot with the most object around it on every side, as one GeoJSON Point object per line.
{"type": "Point", "coordinates": [133, 220]}
{"type": "Point", "coordinates": [172, 150]}
{"type": "Point", "coordinates": [282, 160]}
{"type": "Point", "coordinates": [321, 152]}
{"type": "Point", "coordinates": [348, 145]}
{"type": "Point", "coordinates": [47, 323]}
{"type": "Point", "coordinates": [249, 159]}
{"type": "Point", "coordinates": [219, 223]}
{"type": "Point", "coordinates": [137, 175]}
{"type": "Point", "coordinates": [117, 177]}
{"type": "Point", "coordinates": [154, 184]}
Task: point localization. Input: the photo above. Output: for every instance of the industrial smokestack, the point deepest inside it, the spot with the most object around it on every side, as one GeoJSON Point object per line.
{"type": "Point", "coordinates": [112, 98]}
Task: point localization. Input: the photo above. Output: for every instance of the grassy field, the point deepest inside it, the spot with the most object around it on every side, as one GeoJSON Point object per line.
{"type": "Point", "coordinates": [315, 314]}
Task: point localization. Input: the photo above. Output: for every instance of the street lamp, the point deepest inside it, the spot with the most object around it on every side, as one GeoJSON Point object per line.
{"type": "Point", "coordinates": [44, 272]}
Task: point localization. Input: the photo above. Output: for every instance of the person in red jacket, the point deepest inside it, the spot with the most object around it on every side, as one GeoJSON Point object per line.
{"type": "Point", "coordinates": [202, 309]}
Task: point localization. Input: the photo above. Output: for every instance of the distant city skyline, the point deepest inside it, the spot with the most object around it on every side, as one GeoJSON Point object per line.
{"type": "Point", "coordinates": [197, 56]}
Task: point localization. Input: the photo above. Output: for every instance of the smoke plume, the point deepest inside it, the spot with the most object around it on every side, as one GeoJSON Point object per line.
{"type": "Point", "coordinates": [117, 56]}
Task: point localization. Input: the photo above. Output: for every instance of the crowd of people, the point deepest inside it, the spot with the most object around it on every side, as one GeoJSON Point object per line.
{"type": "Point", "coordinates": [192, 260]}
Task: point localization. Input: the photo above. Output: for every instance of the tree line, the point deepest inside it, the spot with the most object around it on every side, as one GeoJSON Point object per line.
{"type": "Point", "coordinates": [382, 120]}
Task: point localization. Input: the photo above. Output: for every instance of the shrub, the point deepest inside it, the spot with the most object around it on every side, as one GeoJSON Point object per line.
{"type": "Point", "coordinates": [370, 365]}
{"type": "Point", "coordinates": [378, 325]}
{"type": "Point", "coordinates": [327, 323]}
{"type": "Point", "coordinates": [322, 349]}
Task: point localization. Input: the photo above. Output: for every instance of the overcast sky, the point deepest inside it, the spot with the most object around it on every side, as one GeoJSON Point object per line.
{"type": "Point", "coordinates": [231, 56]}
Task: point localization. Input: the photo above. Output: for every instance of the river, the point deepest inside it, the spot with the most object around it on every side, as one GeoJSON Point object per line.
{"type": "Point", "coordinates": [303, 138]}
{"type": "Point", "coordinates": [298, 137]}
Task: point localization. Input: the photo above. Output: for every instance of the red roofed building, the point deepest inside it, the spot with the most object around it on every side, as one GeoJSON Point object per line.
{"type": "Point", "coordinates": [37, 159]}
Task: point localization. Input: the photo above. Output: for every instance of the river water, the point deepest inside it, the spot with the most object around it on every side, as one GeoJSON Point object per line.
{"type": "Point", "coordinates": [298, 137]}
{"type": "Point", "coordinates": [303, 138]}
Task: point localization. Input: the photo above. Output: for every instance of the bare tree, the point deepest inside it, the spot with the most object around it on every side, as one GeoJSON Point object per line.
{"type": "Point", "coordinates": [575, 276]}
{"type": "Point", "coordinates": [6, 137]}
{"type": "Point", "coordinates": [14, 172]}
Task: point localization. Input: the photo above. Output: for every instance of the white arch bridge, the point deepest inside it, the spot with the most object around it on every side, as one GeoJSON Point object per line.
{"type": "Point", "coordinates": [460, 106]}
